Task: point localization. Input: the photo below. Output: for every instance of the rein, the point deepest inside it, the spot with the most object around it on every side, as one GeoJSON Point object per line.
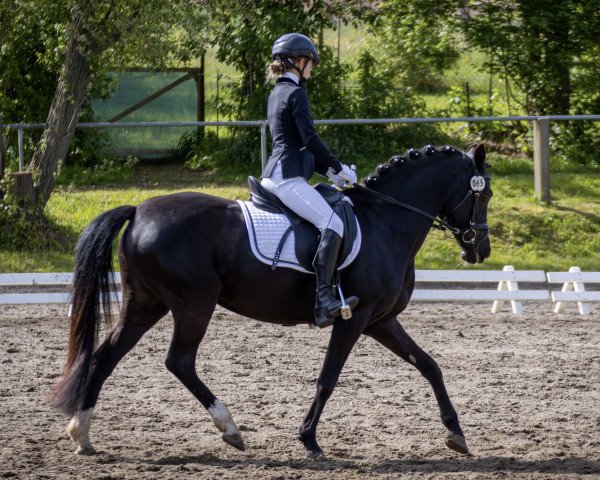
{"type": "Point", "coordinates": [468, 235]}
{"type": "Point", "coordinates": [440, 225]}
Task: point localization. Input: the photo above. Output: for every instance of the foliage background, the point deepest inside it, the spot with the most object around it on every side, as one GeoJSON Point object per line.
{"type": "Point", "coordinates": [539, 57]}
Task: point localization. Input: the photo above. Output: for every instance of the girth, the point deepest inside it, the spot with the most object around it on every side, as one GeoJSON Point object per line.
{"type": "Point", "coordinates": [306, 234]}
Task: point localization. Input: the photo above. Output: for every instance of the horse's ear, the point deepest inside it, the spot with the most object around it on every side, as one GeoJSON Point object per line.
{"type": "Point", "coordinates": [477, 153]}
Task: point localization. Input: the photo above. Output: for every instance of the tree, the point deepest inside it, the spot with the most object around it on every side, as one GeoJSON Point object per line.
{"type": "Point", "coordinates": [30, 46]}
{"type": "Point", "coordinates": [2, 157]}
{"type": "Point", "coordinates": [31, 54]}
{"type": "Point", "coordinates": [243, 33]}
{"type": "Point", "coordinates": [538, 44]}
{"type": "Point", "coordinates": [98, 36]}
{"type": "Point", "coordinates": [415, 40]}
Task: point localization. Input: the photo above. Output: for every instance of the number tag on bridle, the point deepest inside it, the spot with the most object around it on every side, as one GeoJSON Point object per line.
{"type": "Point", "coordinates": [477, 183]}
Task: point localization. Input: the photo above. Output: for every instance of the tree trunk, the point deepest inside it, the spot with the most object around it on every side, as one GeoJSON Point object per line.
{"type": "Point", "coordinates": [3, 159]}
{"type": "Point", "coordinates": [563, 100]}
{"type": "Point", "coordinates": [561, 68]}
{"type": "Point", "coordinates": [64, 112]}
{"type": "Point", "coordinates": [23, 189]}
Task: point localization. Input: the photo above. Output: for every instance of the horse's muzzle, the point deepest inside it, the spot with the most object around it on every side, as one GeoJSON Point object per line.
{"type": "Point", "coordinates": [477, 253]}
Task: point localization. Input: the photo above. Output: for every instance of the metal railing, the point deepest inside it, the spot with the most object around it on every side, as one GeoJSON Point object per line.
{"type": "Point", "coordinates": [541, 134]}
{"type": "Point", "coordinates": [20, 127]}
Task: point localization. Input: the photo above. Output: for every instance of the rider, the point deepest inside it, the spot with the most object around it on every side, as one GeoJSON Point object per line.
{"type": "Point", "coordinates": [297, 153]}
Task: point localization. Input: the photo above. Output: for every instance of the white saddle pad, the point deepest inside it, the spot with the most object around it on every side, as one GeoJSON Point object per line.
{"type": "Point", "coordinates": [265, 230]}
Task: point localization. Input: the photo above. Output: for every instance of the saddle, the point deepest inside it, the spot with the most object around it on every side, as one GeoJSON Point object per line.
{"type": "Point", "coordinates": [305, 234]}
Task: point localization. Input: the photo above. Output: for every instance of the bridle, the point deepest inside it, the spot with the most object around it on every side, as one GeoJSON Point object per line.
{"type": "Point", "coordinates": [468, 235]}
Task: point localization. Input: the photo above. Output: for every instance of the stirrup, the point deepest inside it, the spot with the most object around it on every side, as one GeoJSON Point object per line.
{"type": "Point", "coordinates": [328, 314]}
{"type": "Point", "coordinates": [347, 305]}
{"type": "Point", "coordinates": [346, 310]}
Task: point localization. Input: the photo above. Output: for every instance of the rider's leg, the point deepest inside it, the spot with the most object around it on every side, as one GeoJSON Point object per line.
{"type": "Point", "coordinates": [327, 307]}
{"type": "Point", "coordinates": [298, 195]}
{"type": "Point", "coordinates": [304, 200]}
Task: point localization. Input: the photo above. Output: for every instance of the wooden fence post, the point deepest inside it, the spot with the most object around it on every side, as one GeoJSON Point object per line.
{"type": "Point", "coordinates": [541, 158]}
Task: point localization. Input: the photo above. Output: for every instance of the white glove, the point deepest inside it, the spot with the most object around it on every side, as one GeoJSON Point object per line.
{"type": "Point", "coordinates": [347, 175]}
{"type": "Point", "coordinates": [334, 177]}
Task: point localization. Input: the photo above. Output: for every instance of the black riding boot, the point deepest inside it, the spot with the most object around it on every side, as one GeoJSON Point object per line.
{"type": "Point", "coordinates": [327, 307]}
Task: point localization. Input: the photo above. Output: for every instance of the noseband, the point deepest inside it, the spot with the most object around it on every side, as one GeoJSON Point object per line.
{"type": "Point", "coordinates": [468, 235]}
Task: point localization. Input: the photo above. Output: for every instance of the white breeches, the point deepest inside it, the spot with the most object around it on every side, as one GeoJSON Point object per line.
{"type": "Point", "coordinates": [304, 200]}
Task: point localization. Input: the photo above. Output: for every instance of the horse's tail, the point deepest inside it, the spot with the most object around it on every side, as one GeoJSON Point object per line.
{"type": "Point", "coordinates": [92, 278]}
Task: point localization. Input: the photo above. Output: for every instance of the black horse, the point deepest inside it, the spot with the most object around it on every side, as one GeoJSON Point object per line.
{"type": "Point", "coordinates": [188, 252]}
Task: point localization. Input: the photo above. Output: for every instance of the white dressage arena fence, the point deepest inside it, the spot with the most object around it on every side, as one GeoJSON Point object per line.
{"type": "Point", "coordinates": [506, 289]}
{"type": "Point", "coordinates": [573, 289]}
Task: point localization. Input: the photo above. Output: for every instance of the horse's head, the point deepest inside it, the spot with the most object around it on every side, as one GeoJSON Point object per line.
{"type": "Point", "coordinates": [447, 183]}
{"type": "Point", "coordinates": [466, 209]}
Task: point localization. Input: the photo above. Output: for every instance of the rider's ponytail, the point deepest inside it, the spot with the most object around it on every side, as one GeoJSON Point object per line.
{"type": "Point", "coordinates": [275, 70]}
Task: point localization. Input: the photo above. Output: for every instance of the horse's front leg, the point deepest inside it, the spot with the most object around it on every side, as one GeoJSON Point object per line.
{"type": "Point", "coordinates": [390, 334]}
{"type": "Point", "coordinates": [343, 337]}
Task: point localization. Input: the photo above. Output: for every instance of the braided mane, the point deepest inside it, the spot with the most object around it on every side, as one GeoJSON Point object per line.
{"type": "Point", "coordinates": [412, 154]}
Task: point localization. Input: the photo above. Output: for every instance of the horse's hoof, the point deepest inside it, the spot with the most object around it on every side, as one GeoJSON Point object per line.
{"type": "Point", "coordinates": [85, 450]}
{"type": "Point", "coordinates": [457, 442]}
{"type": "Point", "coordinates": [235, 440]}
{"type": "Point", "coordinates": [316, 455]}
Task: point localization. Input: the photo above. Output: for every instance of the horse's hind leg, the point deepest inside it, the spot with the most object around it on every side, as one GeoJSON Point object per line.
{"type": "Point", "coordinates": [191, 322]}
{"type": "Point", "coordinates": [135, 320]}
{"type": "Point", "coordinates": [390, 334]}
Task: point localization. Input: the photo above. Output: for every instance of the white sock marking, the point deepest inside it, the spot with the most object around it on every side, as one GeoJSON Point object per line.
{"type": "Point", "coordinates": [79, 430]}
{"type": "Point", "coordinates": [222, 418]}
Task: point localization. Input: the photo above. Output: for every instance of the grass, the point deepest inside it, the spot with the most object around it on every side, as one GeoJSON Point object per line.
{"type": "Point", "coordinates": [71, 208]}
{"type": "Point", "coordinates": [524, 233]}
{"type": "Point", "coordinates": [530, 235]}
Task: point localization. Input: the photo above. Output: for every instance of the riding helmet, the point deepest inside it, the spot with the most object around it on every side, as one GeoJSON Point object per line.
{"type": "Point", "coordinates": [294, 45]}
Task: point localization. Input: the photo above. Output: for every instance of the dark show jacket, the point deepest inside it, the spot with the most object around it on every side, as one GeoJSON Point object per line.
{"type": "Point", "coordinates": [296, 143]}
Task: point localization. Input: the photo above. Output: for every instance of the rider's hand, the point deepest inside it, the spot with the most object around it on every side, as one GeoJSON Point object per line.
{"type": "Point", "coordinates": [347, 175]}
{"type": "Point", "coordinates": [335, 177]}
